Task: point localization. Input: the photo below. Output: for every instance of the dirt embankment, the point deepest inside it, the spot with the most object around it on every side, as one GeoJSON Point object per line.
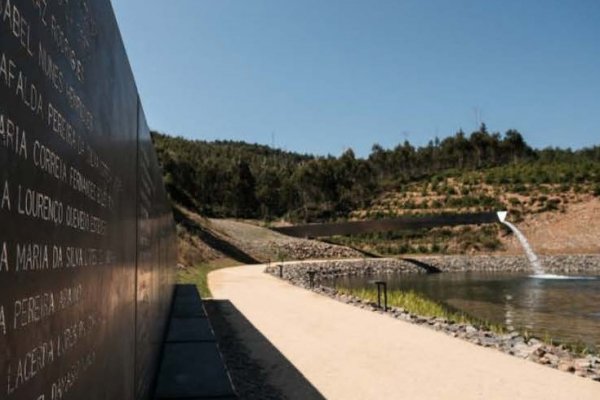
{"type": "Point", "coordinates": [574, 231]}
{"type": "Point", "coordinates": [266, 244]}
{"type": "Point", "coordinates": [202, 240]}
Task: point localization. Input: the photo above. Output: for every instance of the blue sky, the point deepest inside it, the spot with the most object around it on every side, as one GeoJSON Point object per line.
{"type": "Point", "coordinates": [320, 76]}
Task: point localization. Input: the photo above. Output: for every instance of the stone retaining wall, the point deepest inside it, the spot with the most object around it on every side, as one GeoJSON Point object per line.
{"type": "Point", "coordinates": [552, 264]}
{"type": "Point", "coordinates": [297, 272]}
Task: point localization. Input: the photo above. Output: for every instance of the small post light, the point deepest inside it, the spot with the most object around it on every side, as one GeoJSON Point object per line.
{"type": "Point", "coordinates": [311, 278]}
{"type": "Point", "coordinates": [382, 287]}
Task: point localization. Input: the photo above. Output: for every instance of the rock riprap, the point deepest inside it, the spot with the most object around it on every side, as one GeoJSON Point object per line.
{"type": "Point", "coordinates": [513, 342]}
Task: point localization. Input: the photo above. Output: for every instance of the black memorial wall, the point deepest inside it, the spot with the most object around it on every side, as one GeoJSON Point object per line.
{"type": "Point", "coordinates": [86, 233]}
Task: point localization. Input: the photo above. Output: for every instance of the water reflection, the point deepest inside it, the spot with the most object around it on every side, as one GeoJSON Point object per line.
{"type": "Point", "coordinates": [509, 312]}
{"type": "Point", "coordinates": [562, 309]}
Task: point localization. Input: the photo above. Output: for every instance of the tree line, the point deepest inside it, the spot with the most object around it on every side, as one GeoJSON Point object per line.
{"type": "Point", "coordinates": [241, 180]}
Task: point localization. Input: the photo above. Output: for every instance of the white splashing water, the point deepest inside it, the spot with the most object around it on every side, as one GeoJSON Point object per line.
{"type": "Point", "coordinates": [536, 264]}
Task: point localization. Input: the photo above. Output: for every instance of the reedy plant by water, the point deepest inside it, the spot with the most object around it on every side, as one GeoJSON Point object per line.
{"type": "Point", "coordinates": [418, 304]}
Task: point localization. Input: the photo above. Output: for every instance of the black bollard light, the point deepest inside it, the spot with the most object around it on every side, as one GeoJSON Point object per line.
{"type": "Point", "coordinates": [381, 287]}
{"type": "Point", "coordinates": [280, 270]}
{"type": "Point", "coordinates": [311, 278]}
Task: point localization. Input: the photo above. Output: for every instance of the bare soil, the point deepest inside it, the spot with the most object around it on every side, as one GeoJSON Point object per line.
{"type": "Point", "coordinates": [574, 231]}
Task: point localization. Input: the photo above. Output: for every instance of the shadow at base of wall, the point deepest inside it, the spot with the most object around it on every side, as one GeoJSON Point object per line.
{"type": "Point", "coordinates": [257, 368]}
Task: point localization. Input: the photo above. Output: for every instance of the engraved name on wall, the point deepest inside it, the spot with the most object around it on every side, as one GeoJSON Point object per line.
{"type": "Point", "coordinates": [68, 211]}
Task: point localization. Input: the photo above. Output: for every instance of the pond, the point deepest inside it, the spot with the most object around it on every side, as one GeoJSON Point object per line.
{"type": "Point", "coordinates": [565, 310]}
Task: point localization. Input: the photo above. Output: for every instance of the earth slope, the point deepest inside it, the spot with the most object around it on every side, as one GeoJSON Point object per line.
{"type": "Point", "coordinates": [576, 230]}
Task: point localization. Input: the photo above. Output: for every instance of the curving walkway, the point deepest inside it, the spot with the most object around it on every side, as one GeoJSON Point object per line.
{"type": "Point", "coordinates": [349, 353]}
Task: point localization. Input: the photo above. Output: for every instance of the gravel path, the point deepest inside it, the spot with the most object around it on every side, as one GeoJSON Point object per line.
{"type": "Point", "coordinates": [249, 376]}
{"type": "Point", "coordinates": [344, 352]}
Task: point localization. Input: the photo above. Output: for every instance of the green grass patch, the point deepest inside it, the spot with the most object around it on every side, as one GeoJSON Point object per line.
{"type": "Point", "coordinates": [418, 304]}
{"type": "Point", "coordinates": [197, 275]}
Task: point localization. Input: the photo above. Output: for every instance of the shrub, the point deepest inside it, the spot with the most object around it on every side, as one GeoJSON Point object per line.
{"type": "Point", "coordinates": [565, 188]}
{"type": "Point", "coordinates": [403, 249]}
{"type": "Point", "coordinates": [491, 243]}
{"type": "Point", "coordinates": [423, 249]}
{"type": "Point", "coordinates": [514, 201]}
{"type": "Point", "coordinates": [520, 188]}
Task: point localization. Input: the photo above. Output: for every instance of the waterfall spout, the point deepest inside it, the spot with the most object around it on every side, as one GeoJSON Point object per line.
{"type": "Point", "coordinates": [502, 215]}
{"type": "Point", "coordinates": [536, 264]}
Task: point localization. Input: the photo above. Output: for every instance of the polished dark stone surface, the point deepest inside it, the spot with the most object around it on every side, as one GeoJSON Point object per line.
{"type": "Point", "coordinates": [192, 370]}
{"type": "Point", "coordinates": [185, 299]}
{"type": "Point", "coordinates": [213, 398]}
{"type": "Point", "coordinates": [186, 292]}
{"type": "Point", "coordinates": [188, 310]}
{"type": "Point", "coordinates": [190, 330]}
{"type": "Point", "coordinates": [192, 365]}
{"type": "Point", "coordinates": [86, 231]}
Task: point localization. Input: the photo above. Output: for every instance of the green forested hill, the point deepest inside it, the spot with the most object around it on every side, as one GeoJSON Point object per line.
{"type": "Point", "coordinates": [237, 179]}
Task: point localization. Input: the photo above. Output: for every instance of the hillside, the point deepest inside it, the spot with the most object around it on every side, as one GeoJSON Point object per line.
{"type": "Point", "coordinates": [560, 218]}
{"type": "Point", "coordinates": [208, 240]}
{"type": "Point", "coordinates": [541, 188]}
{"type": "Point", "coordinates": [207, 244]}
{"type": "Point", "coordinates": [574, 231]}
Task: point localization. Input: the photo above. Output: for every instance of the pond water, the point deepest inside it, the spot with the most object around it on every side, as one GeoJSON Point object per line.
{"type": "Point", "coordinates": [562, 309]}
